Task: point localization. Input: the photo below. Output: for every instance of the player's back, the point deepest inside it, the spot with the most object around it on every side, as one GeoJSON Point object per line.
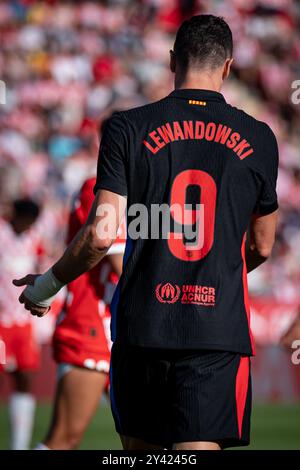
{"type": "Point", "coordinates": [212, 167]}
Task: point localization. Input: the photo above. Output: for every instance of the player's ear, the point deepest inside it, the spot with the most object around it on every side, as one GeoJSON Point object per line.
{"type": "Point", "coordinates": [172, 62]}
{"type": "Point", "coordinates": [226, 68]}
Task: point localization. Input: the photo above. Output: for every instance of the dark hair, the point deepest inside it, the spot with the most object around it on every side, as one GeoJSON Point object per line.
{"type": "Point", "coordinates": [26, 208]}
{"type": "Point", "coordinates": [203, 40]}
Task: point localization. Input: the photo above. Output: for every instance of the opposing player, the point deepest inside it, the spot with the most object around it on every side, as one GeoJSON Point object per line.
{"type": "Point", "coordinates": [180, 367]}
{"type": "Point", "coordinates": [20, 251]}
{"type": "Point", "coordinates": [81, 341]}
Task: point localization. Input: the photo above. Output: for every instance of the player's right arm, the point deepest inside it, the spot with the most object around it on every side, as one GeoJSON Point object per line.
{"type": "Point", "coordinates": [85, 251]}
{"type": "Point", "coordinates": [262, 229]}
{"type": "Point", "coordinates": [260, 239]}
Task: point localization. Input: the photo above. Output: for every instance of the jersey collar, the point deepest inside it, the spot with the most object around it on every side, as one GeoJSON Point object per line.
{"type": "Point", "coordinates": [197, 94]}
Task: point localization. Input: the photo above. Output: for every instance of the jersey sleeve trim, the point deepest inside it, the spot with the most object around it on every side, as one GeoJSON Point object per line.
{"type": "Point", "coordinates": [109, 185]}
{"type": "Point", "coordinates": [266, 210]}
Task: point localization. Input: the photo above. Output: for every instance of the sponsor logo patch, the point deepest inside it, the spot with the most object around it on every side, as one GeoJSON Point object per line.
{"type": "Point", "coordinates": [186, 294]}
{"type": "Point", "coordinates": [167, 293]}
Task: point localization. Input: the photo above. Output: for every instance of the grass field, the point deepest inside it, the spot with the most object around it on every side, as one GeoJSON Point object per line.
{"type": "Point", "coordinates": [273, 427]}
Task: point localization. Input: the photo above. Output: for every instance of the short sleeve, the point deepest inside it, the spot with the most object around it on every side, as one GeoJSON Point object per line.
{"type": "Point", "coordinates": [111, 170]}
{"type": "Point", "coordinates": [267, 199]}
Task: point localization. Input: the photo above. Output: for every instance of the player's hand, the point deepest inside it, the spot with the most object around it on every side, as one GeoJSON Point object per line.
{"type": "Point", "coordinates": [28, 305]}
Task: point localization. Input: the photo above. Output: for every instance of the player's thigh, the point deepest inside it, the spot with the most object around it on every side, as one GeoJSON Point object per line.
{"type": "Point", "coordinates": [77, 398]}
{"type": "Point", "coordinates": [81, 390]}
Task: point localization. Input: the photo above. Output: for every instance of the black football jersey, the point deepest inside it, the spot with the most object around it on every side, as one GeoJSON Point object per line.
{"type": "Point", "coordinates": [200, 168]}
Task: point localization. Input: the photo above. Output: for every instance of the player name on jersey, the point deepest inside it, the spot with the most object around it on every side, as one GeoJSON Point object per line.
{"type": "Point", "coordinates": [212, 132]}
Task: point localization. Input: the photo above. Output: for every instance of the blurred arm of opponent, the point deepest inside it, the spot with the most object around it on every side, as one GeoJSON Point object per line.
{"type": "Point", "coordinates": [85, 251]}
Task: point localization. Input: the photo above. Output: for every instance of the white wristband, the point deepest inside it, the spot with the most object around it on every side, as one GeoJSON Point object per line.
{"type": "Point", "coordinates": [44, 289]}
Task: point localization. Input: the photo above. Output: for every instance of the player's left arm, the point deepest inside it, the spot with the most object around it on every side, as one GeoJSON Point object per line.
{"type": "Point", "coordinates": [97, 235]}
{"type": "Point", "coordinates": [85, 251]}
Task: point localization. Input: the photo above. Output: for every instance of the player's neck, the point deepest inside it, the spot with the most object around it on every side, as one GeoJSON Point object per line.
{"type": "Point", "coordinates": [201, 81]}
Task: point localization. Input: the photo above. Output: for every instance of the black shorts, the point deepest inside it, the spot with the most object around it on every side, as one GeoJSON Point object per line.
{"type": "Point", "coordinates": [165, 397]}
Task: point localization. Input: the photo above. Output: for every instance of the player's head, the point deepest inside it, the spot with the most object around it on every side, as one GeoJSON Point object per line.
{"type": "Point", "coordinates": [25, 213]}
{"type": "Point", "coordinates": [203, 44]}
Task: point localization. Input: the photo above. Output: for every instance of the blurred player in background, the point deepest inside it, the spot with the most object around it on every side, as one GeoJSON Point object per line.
{"type": "Point", "coordinates": [21, 249]}
{"type": "Point", "coordinates": [292, 334]}
{"type": "Point", "coordinates": [82, 338]}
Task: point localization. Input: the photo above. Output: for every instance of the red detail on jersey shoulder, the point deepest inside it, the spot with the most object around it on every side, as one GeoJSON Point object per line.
{"type": "Point", "coordinates": [241, 390]}
{"type": "Point", "coordinates": [246, 294]}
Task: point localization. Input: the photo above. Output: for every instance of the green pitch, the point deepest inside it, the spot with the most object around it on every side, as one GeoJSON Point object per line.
{"type": "Point", "coordinates": [273, 427]}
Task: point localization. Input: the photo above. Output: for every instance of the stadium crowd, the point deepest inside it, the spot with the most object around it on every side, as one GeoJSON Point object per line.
{"type": "Point", "coordinates": [66, 65]}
